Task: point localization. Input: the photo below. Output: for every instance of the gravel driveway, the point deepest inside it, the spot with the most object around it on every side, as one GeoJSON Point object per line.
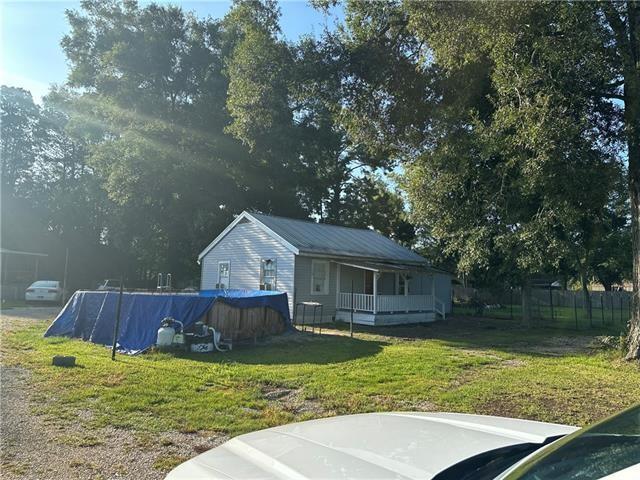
{"type": "Point", "coordinates": [35, 447]}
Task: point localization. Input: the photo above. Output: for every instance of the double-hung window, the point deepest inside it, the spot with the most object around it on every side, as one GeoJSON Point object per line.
{"type": "Point", "coordinates": [269, 273]}
{"type": "Point", "coordinates": [224, 270]}
{"type": "Point", "coordinates": [319, 277]}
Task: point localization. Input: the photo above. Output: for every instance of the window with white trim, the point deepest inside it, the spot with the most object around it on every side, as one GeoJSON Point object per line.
{"type": "Point", "coordinates": [400, 281]}
{"type": "Point", "coordinates": [319, 277]}
{"type": "Point", "coordinates": [224, 270]}
{"type": "Point", "coordinates": [268, 273]}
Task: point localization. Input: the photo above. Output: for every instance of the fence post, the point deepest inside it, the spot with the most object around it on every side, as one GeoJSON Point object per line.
{"type": "Point", "coordinates": [575, 309]}
{"type": "Point", "coordinates": [551, 303]}
{"type": "Point", "coordinates": [116, 326]}
{"type": "Point", "coordinates": [602, 307]}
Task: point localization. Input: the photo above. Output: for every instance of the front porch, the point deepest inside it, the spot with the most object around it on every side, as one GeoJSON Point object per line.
{"type": "Point", "coordinates": [387, 295]}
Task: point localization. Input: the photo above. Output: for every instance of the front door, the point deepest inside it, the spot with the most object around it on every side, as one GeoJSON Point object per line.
{"type": "Point", "coordinates": [368, 282]}
{"type": "Point", "coordinates": [223, 274]}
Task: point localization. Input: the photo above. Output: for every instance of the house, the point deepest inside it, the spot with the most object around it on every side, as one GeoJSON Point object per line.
{"type": "Point", "coordinates": [342, 268]}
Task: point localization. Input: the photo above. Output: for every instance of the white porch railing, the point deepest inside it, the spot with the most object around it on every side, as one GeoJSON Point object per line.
{"type": "Point", "coordinates": [385, 303]}
{"type": "Point", "coordinates": [361, 301]}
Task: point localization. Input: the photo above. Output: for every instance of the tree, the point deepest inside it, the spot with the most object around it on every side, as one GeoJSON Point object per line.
{"type": "Point", "coordinates": [286, 102]}
{"type": "Point", "coordinates": [258, 102]}
{"type": "Point", "coordinates": [20, 129]}
{"type": "Point", "coordinates": [509, 152]}
{"type": "Point", "coordinates": [371, 203]}
{"type": "Point", "coordinates": [151, 102]}
{"type": "Point", "coordinates": [590, 52]}
{"type": "Point", "coordinates": [623, 20]}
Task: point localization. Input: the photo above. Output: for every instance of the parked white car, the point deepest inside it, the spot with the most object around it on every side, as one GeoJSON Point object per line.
{"type": "Point", "coordinates": [44, 291]}
{"type": "Point", "coordinates": [439, 446]}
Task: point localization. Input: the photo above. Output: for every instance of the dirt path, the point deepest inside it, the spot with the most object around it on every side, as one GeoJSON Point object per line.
{"type": "Point", "coordinates": [33, 447]}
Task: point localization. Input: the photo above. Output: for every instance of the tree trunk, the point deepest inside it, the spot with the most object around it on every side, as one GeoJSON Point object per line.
{"type": "Point", "coordinates": [632, 125]}
{"type": "Point", "coordinates": [585, 293]}
{"type": "Point", "coordinates": [334, 207]}
{"type": "Point", "coordinates": [633, 337]}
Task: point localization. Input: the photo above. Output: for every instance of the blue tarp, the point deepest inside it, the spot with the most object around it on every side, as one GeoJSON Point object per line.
{"type": "Point", "coordinates": [91, 315]}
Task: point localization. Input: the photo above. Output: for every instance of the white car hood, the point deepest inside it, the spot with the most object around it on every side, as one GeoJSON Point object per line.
{"type": "Point", "coordinates": [375, 445]}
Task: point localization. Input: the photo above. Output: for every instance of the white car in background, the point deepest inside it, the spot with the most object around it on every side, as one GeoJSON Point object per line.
{"type": "Point", "coordinates": [44, 291]}
{"type": "Point", "coordinates": [438, 446]}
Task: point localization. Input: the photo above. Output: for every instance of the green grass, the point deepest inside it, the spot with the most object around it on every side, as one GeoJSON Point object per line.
{"type": "Point", "coordinates": [487, 367]}
{"type": "Point", "coordinates": [6, 304]}
{"type": "Point", "coordinates": [602, 320]}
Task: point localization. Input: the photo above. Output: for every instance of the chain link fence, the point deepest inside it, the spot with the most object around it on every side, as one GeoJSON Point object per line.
{"type": "Point", "coordinates": [549, 307]}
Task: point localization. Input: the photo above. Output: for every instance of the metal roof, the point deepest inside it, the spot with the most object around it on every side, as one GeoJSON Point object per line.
{"type": "Point", "coordinates": [332, 240]}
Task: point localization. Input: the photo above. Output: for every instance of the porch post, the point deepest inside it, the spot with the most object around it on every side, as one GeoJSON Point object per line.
{"type": "Point", "coordinates": [406, 290]}
{"type": "Point", "coordinates": [338, 286]}
{"type": "Point", "coordinates": [375, 292]}
{"type": "Point", "coordinates": [433, 292]}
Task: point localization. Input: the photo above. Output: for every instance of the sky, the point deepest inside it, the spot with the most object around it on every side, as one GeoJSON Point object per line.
{"type": "Point", "coordinates": [30, 34]}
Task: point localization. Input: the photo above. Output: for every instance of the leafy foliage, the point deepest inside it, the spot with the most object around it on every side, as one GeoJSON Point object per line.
{"type": "Point", "coordinates": [169, 125]}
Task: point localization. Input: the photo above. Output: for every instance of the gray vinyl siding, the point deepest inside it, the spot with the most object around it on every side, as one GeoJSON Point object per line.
{"type": "Point", "coordinates": [443, 290]}
{"type": "Point", "coordinates": [303, 286]}
{"type": "Point", "coordinates": [421, 284]}
{"type": "Point", "coordinates": [387, 284]}
{"type": "Point", "coordinates": [244, 247]}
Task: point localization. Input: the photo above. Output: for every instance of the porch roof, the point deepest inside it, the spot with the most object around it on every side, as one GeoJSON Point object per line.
{"type": "Point", "coordinates": [395, 267]}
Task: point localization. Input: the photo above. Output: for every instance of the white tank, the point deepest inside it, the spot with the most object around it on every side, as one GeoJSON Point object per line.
{"type": "Point", "coordinates": [165, 336]}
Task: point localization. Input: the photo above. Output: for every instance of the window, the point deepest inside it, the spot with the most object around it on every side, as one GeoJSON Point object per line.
{"type": "Point", "coordinates": [588, 454]}
{"type": "Point", "coordinates": [223, 274]}
{"type": "Point", "coordinates": [268, 273]}
{"type": "Point", "coordinates": [319, 277]}
{"type": "Point", "coordinates": [401, 280]}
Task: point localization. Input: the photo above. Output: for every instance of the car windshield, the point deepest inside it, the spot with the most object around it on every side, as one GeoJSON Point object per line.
{"type": "Point", "coordinates": [45, 283]}
{"type": "Point", "coordinates": [590, 453]}
{"type": "Point", "coordinates": [488, 465]}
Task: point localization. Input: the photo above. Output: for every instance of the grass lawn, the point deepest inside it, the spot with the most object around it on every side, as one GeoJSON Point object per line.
{"type": "Point", "coordinates": [612, 321]}
{"type": "Point", "coordinates": [462, 365]}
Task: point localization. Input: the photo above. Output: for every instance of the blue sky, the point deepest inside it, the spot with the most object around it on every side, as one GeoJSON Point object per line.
{"type": "Point", "coordinates": [30, 34]}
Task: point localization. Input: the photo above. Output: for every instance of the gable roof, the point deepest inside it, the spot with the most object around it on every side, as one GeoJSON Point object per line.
{"type": "Point", "coordinates": [306, 237]}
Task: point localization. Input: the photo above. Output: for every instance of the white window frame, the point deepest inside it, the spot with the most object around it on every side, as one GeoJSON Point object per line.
{"type": "Point", "coordinates": [406, 280]}
{"type": "Point", "coordinates": [228, 262]}
{"type": "Point", "coordinates": [325, 290]}
{"type": "Point", "coordinates": [275, 275]}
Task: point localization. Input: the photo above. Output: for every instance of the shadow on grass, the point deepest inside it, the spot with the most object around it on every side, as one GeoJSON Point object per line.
{"type": "Point", "coordinates": [504, 335]}
{"type": "Point", "coordinates": [296, 349]}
